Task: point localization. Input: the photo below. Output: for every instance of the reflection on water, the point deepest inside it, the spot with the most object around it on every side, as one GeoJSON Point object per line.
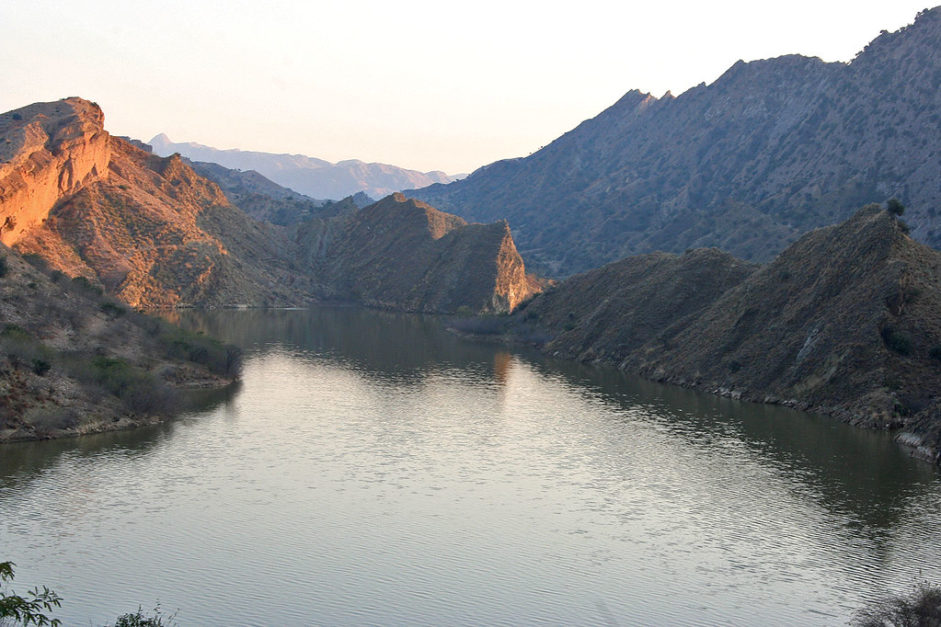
{"type": "Point", "coordinates": [375, 469]}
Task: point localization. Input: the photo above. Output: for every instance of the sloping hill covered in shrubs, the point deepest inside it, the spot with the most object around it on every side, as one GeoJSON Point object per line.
{"type": "Point", "coordinates": [74, 361]}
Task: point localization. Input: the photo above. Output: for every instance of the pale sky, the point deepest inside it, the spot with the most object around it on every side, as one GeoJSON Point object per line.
{"type": "Point", "coordinates": [419, 84]}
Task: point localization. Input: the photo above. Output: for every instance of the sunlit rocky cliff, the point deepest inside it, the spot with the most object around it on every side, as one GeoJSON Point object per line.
{"type": "Point", "coordinates": [154, 233]}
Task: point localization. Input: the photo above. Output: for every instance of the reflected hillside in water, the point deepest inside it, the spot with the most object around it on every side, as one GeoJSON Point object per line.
{"type": "Point", "coordinates": [379, 344]}
{"type": "Point", "coordinates": [22, 461]}
{"type": "Point", "coordinates": [373, 460]}
{"type": "Point", "coordinates": [861, 477]}
{"type": "Point", "coordinates": [845, 469]}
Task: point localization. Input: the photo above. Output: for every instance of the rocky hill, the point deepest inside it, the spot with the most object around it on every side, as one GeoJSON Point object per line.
{"type": "Point", "coordinates": [308, 175]}
{"type": "Point", "coordinates": [844, 322]}
{"type": "Point", "coordinates": [154, 233]}
{"type": "Point", "coordinates": [73, 361]}
{"type": "Point", "coordinates": [609, 312]}
{"type": "Point", "coordinates": [770, 150]}
{"type": "Point", "coordinates": [148, 229]}
{"type": "Point", "coordinates": [403, 254]}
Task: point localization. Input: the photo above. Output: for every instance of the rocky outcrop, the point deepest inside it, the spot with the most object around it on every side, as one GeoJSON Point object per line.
{"type": "Point", "coordinates": [155, 234]}
{"type": "Point", "coordinates": [404, 254]}
{"type": "Point", "coordinates": [769, 151]}
{"type": "Point", "coordinates": [47, 151]}
{"type": "Point", "coordinates": [844, 322]}
{"type": "Point", "coordinates": [148, 229]}
{"type": "Point", "coordinates": [314, 177]}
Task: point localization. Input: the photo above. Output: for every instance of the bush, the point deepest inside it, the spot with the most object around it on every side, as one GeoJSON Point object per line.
{"type": "Point", "coordinates": [219, 358]}
{"type": "Point", "coordinates": [919, 608]}
{"type": "Point", "coordinates": [28, 610]}
{"type": "Point", "coordinates": [41, 366]}
{"type": "Point", "coordinates": [895, 207]}
{"type": "Point", "coordinates": [139, 391]}
{"type": "Point", "coordinates": [23, 350]}
{"type": "Point", "coordinates": [935, 352]}
{"type": "Point", "coordinates": [46, 420]}
{"type": "Point", "coordinates": [896, 340]}
{"type": "Point", "coordinates": [82, 284]}
{"type": "Point", "coordinates": [139, 619]}
{"type": "Point", "coordinates": [112, 310]}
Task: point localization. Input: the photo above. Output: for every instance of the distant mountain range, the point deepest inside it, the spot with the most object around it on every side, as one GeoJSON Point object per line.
{"type": "Point", "coordinates": [767, 152]}
{"type": "Point", "coordinates": [309, 176]}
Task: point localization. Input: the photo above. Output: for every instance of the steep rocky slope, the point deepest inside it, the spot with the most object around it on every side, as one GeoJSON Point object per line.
{"type": "Point", "coordinates": [73, 361]}
{"type": "Point", "coordinates": [314, 177]}
{"type": "Point", "coordinates": [770, 150]}
{"type": "Point", "coordinates": [609, 312]}
{"type": "Point", "coordinates": [845, 322]}
{"type": "Point", "coordinates": [404, 254]}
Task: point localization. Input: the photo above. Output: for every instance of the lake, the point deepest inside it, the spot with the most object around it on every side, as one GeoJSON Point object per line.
{"type": "Point", "coordinates": [372, 468]}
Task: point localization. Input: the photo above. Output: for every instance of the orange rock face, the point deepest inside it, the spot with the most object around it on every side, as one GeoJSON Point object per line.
{"type": "Point", "coordinates": [47, 151]}
{"type": "Point", "coordinates": [149, 229]}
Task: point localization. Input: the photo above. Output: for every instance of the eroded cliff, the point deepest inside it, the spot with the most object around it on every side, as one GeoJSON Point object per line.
{"type": "Point", "coordinates": [403, 253]}
{"type": "Point", "coordinates": [47, 151]}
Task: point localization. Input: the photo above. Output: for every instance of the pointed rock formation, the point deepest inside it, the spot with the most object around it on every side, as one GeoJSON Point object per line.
{"type": "Point", "coordinates": [403, 253]}
{"type": "Point", "coordinates": [47, 150]}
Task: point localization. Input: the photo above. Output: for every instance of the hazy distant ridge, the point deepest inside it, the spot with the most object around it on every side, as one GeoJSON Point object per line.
{"type": "Point", "coordinates": [308, 175]}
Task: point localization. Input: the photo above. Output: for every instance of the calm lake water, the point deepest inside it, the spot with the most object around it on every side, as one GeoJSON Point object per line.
{"type": "Point", "coordinates": [373, 469]}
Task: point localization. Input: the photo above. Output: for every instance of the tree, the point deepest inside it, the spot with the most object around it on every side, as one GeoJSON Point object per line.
{"type": "Point", "coordinates": [895, 207]}
{"type": "Point", "coordinates": [919, 608]}
{"type": "Point", "coordinates": [29, 610]}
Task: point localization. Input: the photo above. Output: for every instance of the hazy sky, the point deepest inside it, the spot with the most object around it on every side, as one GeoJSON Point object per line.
{"type": "Point", "coordinates": [424, 85]}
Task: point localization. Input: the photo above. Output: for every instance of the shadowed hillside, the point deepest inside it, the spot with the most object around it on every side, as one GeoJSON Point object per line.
{"type": "Point", "coordinates": [73, 361]}
{"type": "Point", "coordinates": [401, 253]}
{"type": "Point", "coordinates": [844, 322]}
{"type": "Point", "coordinates": [770, 150]}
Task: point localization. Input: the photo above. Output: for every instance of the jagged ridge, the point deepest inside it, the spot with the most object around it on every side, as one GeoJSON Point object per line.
{"type": "Point", "coordinates": [767, 152]}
